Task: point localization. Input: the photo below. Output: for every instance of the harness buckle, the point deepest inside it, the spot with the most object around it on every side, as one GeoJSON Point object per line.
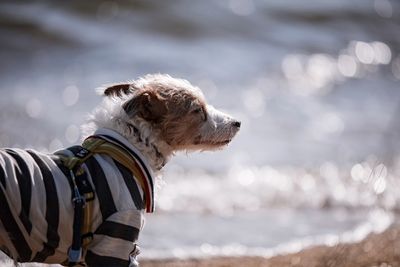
{"type": "Point", "coordinates": [78, 199]}
{"type": "Point", "coordinates": [82, 153]}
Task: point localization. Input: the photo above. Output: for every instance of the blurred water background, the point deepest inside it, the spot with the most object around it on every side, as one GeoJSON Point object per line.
{"type": "Point", "coordinates": [315, 83]}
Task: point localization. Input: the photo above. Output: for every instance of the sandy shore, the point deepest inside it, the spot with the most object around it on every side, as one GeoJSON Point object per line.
{"type": "Point", "coordinates": [381, 250]}
{"type": "Point", "coordinates": [377, 250]}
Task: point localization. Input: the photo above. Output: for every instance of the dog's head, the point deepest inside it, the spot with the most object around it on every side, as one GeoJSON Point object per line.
{"type": "Point", "coordinates": [176, 110]}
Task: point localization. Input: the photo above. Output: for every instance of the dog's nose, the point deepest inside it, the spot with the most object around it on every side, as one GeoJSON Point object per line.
{"type": "Point", "coordinates": [236, 124]}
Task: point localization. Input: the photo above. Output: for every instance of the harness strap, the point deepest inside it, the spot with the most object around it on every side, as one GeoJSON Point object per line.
{"type": "Point", "coordinates": [123, 157]}
{"type": "Point", "coordinates": [83, 206]}
{"type": "Point", "coordinates": [75, 251]}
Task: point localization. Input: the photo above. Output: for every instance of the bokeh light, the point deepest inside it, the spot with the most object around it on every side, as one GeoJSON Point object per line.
{"type": "Point", "coordinates": [383, 8]}
{"type": "Point", "coordinates": [242, 7]}
{"type": "Point", "coordinates": [72, 133]}
{"type": "Point", "coordinates": [34, 108]}
{"type": "Point", "coordinates": [70, 95]}
{"type": "Point", "coordinates": [347, 65]}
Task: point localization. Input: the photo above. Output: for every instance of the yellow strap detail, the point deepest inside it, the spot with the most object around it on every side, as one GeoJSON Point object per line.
{"type": "Point", "coordinates": [86, 225]}
{"type": "Point", "coordinates": [92, 143]}
{"type": "Point", "coordinates": [89, 144]}
{"type": "Point", "coordinates": [122, 157]}
{"type": "Point", "coordinates": [69, 162]}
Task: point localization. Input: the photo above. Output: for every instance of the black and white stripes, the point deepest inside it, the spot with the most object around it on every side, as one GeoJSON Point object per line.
{"type": "Point", "coordinates": [37, 214]}
{"type": "Point", "coordinates": [52, 210]}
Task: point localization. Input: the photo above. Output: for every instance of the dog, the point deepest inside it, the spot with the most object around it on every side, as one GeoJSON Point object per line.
{"type": "Point", "coordinates": [84, 205]}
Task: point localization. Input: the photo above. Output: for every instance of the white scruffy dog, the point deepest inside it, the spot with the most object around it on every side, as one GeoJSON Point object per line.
{"type": "Point", "coordinates": [170, 114]}
{"type": "Point", "coordinates": [149, 119]}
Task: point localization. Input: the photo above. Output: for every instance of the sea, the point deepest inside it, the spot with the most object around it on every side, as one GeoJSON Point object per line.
{"type": "Point", "coordinates": [316, 85]}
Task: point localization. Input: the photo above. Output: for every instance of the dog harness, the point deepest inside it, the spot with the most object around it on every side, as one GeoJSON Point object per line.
{"type": "Point", "coordinates": [83, 194]}
{"type": "Point", "coordinates": [95, 222]}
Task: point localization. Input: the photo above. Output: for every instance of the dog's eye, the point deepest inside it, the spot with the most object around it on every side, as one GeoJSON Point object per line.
{"type": "Point", "coordinates": [197, 110]}
{"type": "Point", "coordinates": [200, 111]}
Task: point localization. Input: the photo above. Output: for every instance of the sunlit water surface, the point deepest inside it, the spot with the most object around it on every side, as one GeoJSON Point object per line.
{"type": "Point", "coordinates": [316, 86]}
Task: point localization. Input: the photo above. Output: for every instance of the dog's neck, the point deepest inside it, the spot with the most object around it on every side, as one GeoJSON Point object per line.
{"type": "Point", "coordinates": [149, 149]}
{"type": "Point", "coordinates": [145, 139]}
{"type": "Point", "coordinates": [138, 132]}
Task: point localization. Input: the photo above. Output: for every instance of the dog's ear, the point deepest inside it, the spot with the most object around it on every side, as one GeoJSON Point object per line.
{"type": "Point", "coordinates": [117, 90]}
{"type": "Point", "coordinates": [147, 105]}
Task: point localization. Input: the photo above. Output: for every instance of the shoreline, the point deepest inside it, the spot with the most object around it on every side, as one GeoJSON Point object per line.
{"type": "Point", "coordinates": [377, 249]}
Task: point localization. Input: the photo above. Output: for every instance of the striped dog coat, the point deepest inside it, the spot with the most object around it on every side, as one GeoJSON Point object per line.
{"type": "Point", "coordinates": [36, 211]}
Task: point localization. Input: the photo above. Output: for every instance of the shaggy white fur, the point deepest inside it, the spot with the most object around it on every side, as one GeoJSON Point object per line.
{"type": "Point", "coordinates": [110, 114]}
